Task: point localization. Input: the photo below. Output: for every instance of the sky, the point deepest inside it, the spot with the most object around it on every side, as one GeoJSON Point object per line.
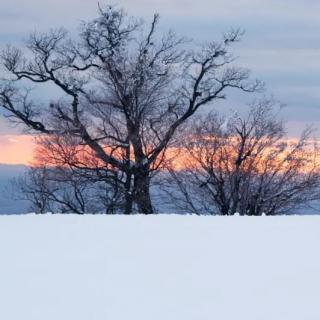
{"type": "Point", "coordinates": [281, 46]}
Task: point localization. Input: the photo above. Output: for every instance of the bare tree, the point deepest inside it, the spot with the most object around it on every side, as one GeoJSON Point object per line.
{"type": "Point", "coordinates": [247, 165]}
{"type": "Point", "coordinates": [125, 91]}
{"type": "Point", "coordinates": [32, 186]}
{"type": "Point", "coordinates": [67, 177]}
{"type": "Point", "coordinates": [65, 190]}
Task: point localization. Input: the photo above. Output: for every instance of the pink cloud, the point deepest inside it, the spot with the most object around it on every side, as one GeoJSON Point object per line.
{"type": "Point", "coordinates": [16, 149]}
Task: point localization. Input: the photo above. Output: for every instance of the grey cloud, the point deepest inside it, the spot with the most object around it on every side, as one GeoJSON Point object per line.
{"type": "Point", "coordinates": [281, 45]}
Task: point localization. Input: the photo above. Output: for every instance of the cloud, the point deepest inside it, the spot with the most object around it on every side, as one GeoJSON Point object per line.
{"type": "Point", "coordinates": [281, 45]}
{"type": "Point", "coordinates": [16, 149]}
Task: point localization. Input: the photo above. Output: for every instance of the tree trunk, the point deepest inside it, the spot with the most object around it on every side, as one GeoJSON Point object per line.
{"type": "Point", "coordinates": [235, 193]}
{"type": "Point", "coordinates": [142, 191]}
{"type": "Point", "coordinates": [128, 185]}
{"type": "Point", "coordinates": [128, 204]}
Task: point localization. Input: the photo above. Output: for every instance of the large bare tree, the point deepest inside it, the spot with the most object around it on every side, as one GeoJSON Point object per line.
{"type": "Point", "coordinates": [125, 90]}
{"type": "Point", "coordinates": [246, 165]}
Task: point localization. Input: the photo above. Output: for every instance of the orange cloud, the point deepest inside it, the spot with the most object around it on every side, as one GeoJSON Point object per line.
{"type": "Point", "coordinates": [20, 149]}
{"type": "Point", "coordinates": [16, 149]}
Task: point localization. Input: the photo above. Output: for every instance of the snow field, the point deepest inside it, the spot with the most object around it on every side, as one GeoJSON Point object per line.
{"type": "Point", "coordinates": [164, 267]}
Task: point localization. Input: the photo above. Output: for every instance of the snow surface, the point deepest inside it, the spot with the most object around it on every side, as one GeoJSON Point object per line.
{"type": "Point", "coordinates": [164, 267]}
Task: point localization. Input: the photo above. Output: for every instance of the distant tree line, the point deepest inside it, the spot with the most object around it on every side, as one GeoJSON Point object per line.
{"type": "Point", "coordinates": [128, 97]}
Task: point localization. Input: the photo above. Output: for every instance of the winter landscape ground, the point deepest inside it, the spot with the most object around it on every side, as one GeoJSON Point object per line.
{"type": "Point", "coordinates": [159, 267]}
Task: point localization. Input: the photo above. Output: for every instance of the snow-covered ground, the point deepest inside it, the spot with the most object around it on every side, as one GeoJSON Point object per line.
{"type": "Point", "coordinates": [162, 267]}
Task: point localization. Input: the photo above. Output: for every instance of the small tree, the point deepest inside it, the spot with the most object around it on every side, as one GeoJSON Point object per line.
{"type": "Point", "coordinates": [65, 190]}
{"type": "Point", "coordinates": [123, 88]}
{"type": "Point", "coordinates": [66, 177]}
{"type": "Point", "coordinates": [246, 165]}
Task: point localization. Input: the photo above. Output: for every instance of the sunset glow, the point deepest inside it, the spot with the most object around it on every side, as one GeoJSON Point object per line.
{"type": "Point", "coordinates": [21, 149]}
{"type": "Point", "coordinates": [16, 149]}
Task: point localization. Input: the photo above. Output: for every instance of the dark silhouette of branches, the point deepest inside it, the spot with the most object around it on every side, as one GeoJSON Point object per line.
{"type": "Point", "coordinates": [247, 165]}
{"type": "Point", "coordinates": [121, 93]}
